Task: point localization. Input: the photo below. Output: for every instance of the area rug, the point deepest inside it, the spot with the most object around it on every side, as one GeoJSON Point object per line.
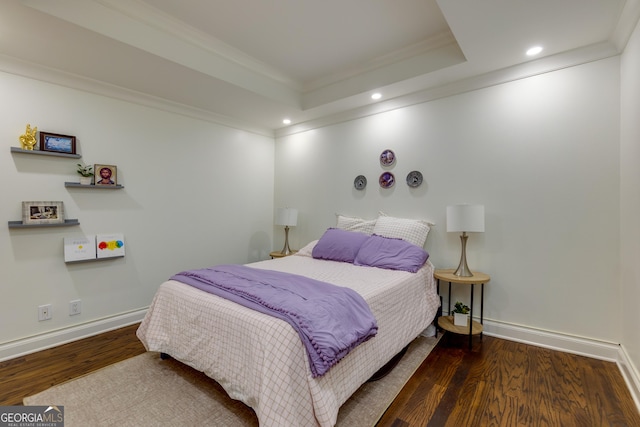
{"type": "Point", "coordinates": [147, 391]}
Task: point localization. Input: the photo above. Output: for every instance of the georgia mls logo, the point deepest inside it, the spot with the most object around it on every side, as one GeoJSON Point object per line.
{"type": "Point", "coordinates": [31, 416]}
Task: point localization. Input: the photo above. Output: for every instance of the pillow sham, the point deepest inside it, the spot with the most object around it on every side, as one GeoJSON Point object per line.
{"type": "Point", "coordinates": [307, 249]}
{"type": "Point", "coordinates": [351, 223]}
{"type": "Point", "coordinates": [391, 254]}
{"type": "Point", "coordinates": [411, 230]}
{"type": "Point", "coordinates": [339, 245]}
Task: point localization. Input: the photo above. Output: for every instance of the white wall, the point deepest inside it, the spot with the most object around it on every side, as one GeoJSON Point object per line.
{"type": "Point", "coordinates": [630, 203]}
{"type": "Point", "coordinates": [196, 194]}
{"type": "Point", "coordinates": [540, 153]}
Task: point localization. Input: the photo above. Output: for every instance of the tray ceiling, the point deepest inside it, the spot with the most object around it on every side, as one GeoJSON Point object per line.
{"type": "Point", "coordinates": [253, 62]}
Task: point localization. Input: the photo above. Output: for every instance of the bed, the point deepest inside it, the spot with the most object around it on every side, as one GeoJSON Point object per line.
{"type": "Point", "coordinates": [261, 361]}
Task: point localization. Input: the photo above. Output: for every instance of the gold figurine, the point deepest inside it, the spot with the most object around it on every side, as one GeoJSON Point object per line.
{"type": "Point", "coordinates": [28, 140]}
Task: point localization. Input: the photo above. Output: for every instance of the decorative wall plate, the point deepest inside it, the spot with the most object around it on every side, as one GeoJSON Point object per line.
{"type": "Point", "coordinates": [414, 179]}
{"type": "Point", "coordinates": [360, 182]}
{"type": "Point", "coordinates": [387, 158]}
{"type": "Point", "coordinates": [387, 180]}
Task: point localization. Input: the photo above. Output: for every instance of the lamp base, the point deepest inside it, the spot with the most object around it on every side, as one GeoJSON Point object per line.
{"type": "Point", "coordinates": [463, 268]}
{"type": "Point", "coordinates": [286, 250]}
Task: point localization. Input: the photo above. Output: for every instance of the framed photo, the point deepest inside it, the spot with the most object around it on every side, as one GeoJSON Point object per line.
{"type": "Point", "coordinates": [42, 212]}
{"type": "Point", "coordinates": [105, 174]}
{"type": "Point", "coordinates": [57, 143]}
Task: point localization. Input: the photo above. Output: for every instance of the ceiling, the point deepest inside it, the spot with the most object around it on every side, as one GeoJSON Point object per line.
{"type": "Point", "coordinates": [251, 63]}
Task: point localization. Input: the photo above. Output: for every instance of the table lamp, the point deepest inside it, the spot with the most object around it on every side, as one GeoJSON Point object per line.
{"type": "Point", "coordinates": [465, 218]}
{"type": "Point", "coordinates": [289, 218]}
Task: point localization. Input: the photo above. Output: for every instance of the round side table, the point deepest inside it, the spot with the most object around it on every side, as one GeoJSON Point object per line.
{"type": "Point", "coordinates": [446, 322]}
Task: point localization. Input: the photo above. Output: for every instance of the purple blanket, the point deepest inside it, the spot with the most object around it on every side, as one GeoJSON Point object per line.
{"type": "Point", "coordinates": [331, 320]}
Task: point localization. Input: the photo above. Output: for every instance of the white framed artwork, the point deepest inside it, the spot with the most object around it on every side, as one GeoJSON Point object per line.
{"type": "Point", "coordinates": [81, 248]}
{"type": "Point", "coordinates": [110, 245]}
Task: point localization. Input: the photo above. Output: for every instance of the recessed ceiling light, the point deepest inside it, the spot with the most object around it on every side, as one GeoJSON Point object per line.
{"type": "Point", "coordinates": [287, 121]}
{"type": "Point", "coordinates": [376, 96]}
{"type": "Point", "coordinates": [534, 50]}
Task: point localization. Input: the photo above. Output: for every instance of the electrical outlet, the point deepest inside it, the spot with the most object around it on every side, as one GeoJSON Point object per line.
{"type": "Point", "coordinates": [45, 312]}
{"type": "Point", "coordinates": [75, 307]}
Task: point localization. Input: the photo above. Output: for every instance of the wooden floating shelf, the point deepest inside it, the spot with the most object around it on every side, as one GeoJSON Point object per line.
{"type": "Point", "coordinates": [92, 186]}
{"type": "Point", "coordinates": [45, 153]}
{"type": "Point", "coordinates": [66, 223]}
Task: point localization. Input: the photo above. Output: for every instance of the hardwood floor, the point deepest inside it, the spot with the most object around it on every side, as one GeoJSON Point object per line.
{"type": "Point", "coordinates": [504, 383]}
{"type": "Point", "coordinates": [497, 383]}
{"type": "Point", "coordinates": [33, 373]}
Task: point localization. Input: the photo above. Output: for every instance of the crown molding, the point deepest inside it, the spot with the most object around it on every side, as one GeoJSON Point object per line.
{"type": "Point", "coordinates": [457, 80]}
{"type": "Point", "coordinates": [141, 12]}
{"type": "Point", "coordinates": [440, 84]}
{"type": "Point", "coordinates": [145, 28]}
{"type": "Point", "coordinates": [49, 75]}
{"type": "Point", "coordinates": [627, 21]}
{"type": "Point", "coordinates": [420, 49]}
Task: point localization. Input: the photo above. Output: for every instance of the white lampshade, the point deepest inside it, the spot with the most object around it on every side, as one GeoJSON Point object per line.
{"type": "Point", "coordinates": [469, 218]}
{"type": "Point", "coordinates": [287, 216]}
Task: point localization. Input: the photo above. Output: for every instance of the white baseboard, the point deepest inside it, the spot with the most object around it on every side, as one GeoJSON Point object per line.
{"type": "Point", "coordinates": [571, 344]}
{"type": "Point", "coordinates": [35, 343]}
{"type": "Point", "coordinates": [553, 340]}
{"type": "Point", "coordinates": [630, 374]}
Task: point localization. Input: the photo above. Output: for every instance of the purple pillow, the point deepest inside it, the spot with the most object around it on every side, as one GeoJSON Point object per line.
{"type": "Point", "coordinates": [339, 245]}
{"type": "Point", "coordinates": [392, 254]}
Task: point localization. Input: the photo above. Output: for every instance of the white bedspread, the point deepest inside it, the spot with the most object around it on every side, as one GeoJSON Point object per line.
{"type": "Point", "coordinates": [261, 361]}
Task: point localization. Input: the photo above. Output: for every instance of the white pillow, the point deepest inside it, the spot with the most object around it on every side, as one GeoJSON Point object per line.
{"type": "Point", "coordinates": [351, 223]}
{"type": "Point", "coordinates": [308, 249]}
{"type": "Point", "coordinates": [411, 230]}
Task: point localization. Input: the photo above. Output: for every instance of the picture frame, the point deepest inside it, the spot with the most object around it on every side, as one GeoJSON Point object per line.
{"type": "Point", "coordinates": [57, 143]}
{"type": "Point", "coordinates": [42, 212]}
{"type": "Point", "coordinates": [110, 245]}
{"type": "Point", "coordinates": [105, 174]}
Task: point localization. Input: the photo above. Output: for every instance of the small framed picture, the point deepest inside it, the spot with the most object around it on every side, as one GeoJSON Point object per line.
{"type": "Point", "coordinates": [42, 212]}
{"type": "Point", "coordinates": [105, 174]}
{"type": "Point", "coordinates": [57, 143]}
